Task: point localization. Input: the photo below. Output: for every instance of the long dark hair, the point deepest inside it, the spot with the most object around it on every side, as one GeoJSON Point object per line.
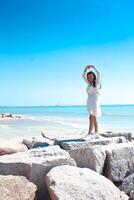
{"type": "Point", "coordinates": [94, 81]}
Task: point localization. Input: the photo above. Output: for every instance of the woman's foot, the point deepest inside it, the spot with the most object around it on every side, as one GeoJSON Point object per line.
{"type": "Point", "coordinates": [89, 136]}
{"type": "Point", "coordinates": [90, 133]}
{"type": "Point", "coordinates": [96, 135]}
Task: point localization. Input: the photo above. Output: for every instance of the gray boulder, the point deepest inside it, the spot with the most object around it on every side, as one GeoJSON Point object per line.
{"type": "Point", "coordinates": [37, 141]}
{"type": "Point", "coordinates": [127, 135]}
{"type": "Point", "coordinates": [73, 183]}
{"type": "Point", "coordinates": [16, 188]}
{"type": "Point", "coordinates": [70, 145]}
{"type": "Point", "coordinates": [92, 157]}
{"type": "Point", "coordinates": [127, 184]}
{"type": "Point", "coordinates": [35, 164]}
{"type": "Point", "coordinates": [9, 147]}
{"type": "Point", "coordinates": [119, 160]}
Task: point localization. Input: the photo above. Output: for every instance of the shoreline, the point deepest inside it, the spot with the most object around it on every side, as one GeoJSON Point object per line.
{"type": "Point", "coordinates": [31, 125]}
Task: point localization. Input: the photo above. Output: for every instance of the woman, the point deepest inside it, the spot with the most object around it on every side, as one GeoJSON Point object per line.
{"type": "Point", "coordinates": [93, 106]}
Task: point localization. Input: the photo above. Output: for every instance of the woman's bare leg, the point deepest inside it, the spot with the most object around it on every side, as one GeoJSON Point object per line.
{"type": "Point", "coordinates": [95, 124]}
{"type": "Point", "coordinates": [91, 124]}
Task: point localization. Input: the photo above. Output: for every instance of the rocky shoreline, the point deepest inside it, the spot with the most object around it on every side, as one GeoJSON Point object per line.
{"type": "Point", "coordinates": [8, 116]}
{"type": "Point", "coordinates": [46, 168]}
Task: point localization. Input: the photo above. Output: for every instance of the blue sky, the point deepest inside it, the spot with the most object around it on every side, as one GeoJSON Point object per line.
{"type": "Point", "coordinates": [44, 46]}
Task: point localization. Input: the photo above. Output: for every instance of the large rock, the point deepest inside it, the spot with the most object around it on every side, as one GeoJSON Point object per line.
{"type": "Point", "coordinates": [127, 135]}
{"type": "Point", "coordinates": [119, 161]}
{"type": "Point", "coordinates": [92, 157]}
{"type": "Point", "coordinates": [37, 141]}
{"type": "Point", "coordinates": [35, 144]}
{"type": "Point", "coordinates": [16, 188]}
{"type": "Point", "coordinates": [9, 147]}
{"type": "Point", "coordinates": [35, 164]}
{"type": "Point", "coordinates": [128, 184]}
{"type": "Point", "coordinates": [69, 145]}
{"type": "Point", "coordinates": [73, 183]}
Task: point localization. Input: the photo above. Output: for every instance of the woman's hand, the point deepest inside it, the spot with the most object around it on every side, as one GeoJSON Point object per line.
{"type": "Point", "coordinates": [88, 67]}
{"type": "Point", "coordinates": [91, 66]}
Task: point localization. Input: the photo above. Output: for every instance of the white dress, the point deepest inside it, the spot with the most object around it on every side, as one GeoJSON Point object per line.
{"type": "Point", "coordinates": [93, 105]}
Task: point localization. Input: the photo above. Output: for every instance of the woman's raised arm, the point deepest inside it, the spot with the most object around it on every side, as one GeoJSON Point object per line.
{"type": "Point", "coordinates": [84, 74]}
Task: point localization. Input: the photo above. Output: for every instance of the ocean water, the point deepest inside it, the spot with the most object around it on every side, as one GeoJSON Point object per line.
{"type": "Point", "coordinates": [55, 120]}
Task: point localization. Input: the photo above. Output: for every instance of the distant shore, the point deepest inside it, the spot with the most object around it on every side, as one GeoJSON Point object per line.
{"type": "Point", "coordinates": [9, 116]}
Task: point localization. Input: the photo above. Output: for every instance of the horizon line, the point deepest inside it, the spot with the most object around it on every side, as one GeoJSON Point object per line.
{"type": "Point", "coordinates": [66, 105]}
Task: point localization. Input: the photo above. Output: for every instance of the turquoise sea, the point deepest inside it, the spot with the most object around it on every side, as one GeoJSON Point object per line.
{"type": "Point", "coordinates": [63, 119]}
